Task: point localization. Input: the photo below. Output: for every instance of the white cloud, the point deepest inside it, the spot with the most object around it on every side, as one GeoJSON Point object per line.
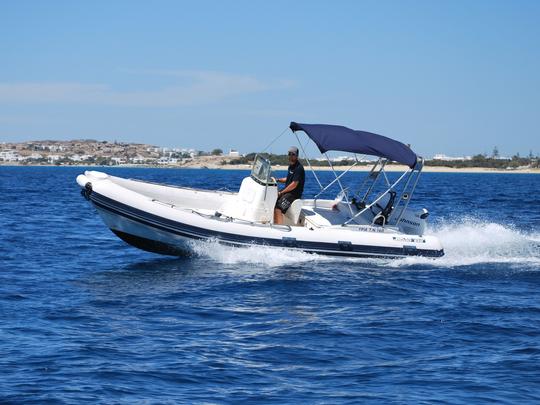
{"type": "Point", "coordinates": [197, 87]}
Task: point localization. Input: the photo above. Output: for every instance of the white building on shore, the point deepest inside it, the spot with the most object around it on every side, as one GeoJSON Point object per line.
{"type": "Point", "coordinates": [165, 160]}
{"type": "Point", "coordinates": [138, 159]}
{"type": "Point", "coordinates": [53, 158]}
{"type": "Point", "coordinates": [9, 155]}
{"type": "Point", "coordinates": [442, 156]}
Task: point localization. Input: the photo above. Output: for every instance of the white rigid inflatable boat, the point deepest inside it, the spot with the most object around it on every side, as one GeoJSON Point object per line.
{"type": "Point", "coordinates": [164, 219]}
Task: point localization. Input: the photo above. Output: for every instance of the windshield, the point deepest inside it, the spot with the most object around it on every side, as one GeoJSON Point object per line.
{"type": "Point", "coordinates": [261, 170]}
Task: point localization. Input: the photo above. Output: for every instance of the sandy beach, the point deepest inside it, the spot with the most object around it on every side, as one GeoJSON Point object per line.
{"type": "Point", "coordinates": [396, 168]}
{"type": "Point", "coordinates": [389, 168]}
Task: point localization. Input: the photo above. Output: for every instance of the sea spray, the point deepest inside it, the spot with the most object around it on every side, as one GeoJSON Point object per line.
{"type": "Point", "coordinates": [470, 241]}
{"type": "Point", "coordinates": [255, 254]}
{"type": "Point", "coordinates": [466, 242]}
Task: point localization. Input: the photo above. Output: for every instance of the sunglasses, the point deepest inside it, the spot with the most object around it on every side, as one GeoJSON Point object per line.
{"type": "Point", "coordinates": [292, 154]}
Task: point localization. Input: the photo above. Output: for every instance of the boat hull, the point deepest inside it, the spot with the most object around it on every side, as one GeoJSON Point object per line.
{"type": "Point", "coordinates": [159, 234]}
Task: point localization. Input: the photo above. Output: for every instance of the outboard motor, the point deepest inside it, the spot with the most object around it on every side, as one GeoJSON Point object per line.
{"type": "Point", "coordinates": [414, 222]}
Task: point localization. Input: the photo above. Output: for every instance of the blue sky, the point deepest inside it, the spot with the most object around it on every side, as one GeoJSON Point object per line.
{"type": "Point", "coordinates": [457, 77]}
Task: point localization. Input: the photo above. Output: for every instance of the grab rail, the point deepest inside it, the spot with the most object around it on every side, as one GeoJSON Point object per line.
{"type": "Point", "coordinates": [204, 190]}
{"type": "Point", "coordinates": [225, 218]}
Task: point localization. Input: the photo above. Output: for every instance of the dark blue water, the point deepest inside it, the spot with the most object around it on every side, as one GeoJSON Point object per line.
{"type": "Point", "coordinates": [86, 318]}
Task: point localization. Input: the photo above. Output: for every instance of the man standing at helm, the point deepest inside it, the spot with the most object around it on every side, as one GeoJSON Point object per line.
{"type": "Point", "coordinates": [294, 186]}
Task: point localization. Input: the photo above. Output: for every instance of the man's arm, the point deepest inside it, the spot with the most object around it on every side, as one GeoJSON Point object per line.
{"type": "Point", "coordinates": [289, 188]}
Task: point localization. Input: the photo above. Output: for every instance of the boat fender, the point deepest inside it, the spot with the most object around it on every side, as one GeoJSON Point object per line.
{"type": "Point", "coordinates": [87, 190]}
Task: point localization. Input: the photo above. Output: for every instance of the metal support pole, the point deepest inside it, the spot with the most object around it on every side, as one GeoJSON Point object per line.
{"type": "Point", "coordinates": [377, 199]}
{"type": "Point", "coordinates": [333, 181]}
{"type": "Point", "coordinates": [340, 185]}
{"type": "Point", "coordinates": [386, 178]}
{"type": "Point", "coordinates": [367, 177]}
{"type": "Point", "coordinates": [307, 160]}
{"type": "Point", "coordinates": [368, 192]}
{"type": "Point", "coordinates": [400, 198]}
{"type": "Point", "coordinates": [412, 191]}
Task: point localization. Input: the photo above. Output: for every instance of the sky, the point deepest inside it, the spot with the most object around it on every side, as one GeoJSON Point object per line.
{"type": "Point", "coordinates": [453, 77]}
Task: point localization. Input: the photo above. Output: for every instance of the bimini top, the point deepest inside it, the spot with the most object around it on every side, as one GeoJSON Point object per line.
{"type": "Point", "coordinates": [336, 137]}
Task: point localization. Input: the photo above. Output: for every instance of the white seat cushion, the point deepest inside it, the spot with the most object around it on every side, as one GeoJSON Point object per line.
{"type": "Point", "coordinates": [293, 213]}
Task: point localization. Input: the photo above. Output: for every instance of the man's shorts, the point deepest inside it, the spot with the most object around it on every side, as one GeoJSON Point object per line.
{"type": "Point", "coordinates": [285, 201]}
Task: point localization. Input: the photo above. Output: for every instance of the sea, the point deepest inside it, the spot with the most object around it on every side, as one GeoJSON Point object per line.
{"type": "Point", "coordinates": [86, 318]}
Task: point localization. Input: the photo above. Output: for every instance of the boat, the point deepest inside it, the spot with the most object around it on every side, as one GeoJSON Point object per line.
{"type": "Point", "coordinates": [374, 221]}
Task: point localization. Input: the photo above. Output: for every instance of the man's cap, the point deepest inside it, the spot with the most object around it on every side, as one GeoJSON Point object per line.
{"type": "Point", "coordinates": [293, 149]}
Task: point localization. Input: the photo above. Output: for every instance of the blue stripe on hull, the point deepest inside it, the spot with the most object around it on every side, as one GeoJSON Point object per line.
{"type": "Point", "coordinates": [189, 231]}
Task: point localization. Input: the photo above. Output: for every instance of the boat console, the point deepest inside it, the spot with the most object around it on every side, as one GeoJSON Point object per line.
{"type": "Point", "coordinates": [257, 197]}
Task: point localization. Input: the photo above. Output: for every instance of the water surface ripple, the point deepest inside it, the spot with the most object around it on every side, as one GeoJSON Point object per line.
{"type": "Point", "coordinates": [86, 318]}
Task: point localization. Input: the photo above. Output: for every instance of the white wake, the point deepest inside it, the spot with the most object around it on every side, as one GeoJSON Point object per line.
{"type": "Point", "coordinates": [466, 242]}
{"type": "Point", "coordinates": [255, 255]}
{"type": "Point", "coordinates": [471, 241]}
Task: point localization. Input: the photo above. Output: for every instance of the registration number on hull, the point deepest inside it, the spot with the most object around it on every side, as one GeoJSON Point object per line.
{"type": "Point", "coordinates": [370, 229]}
{"type": "Point", "coordinates": [409, 239]}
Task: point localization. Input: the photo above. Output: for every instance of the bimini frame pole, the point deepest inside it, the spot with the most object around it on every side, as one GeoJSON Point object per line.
{"type": "Point", "coordinates": [378, 198]}
{"type": "Point", "coordinates": [333, 181]}
{"type": "Point", "coordinates": [401, 195]}
{"type": "Point", "coordinates": [382, 162]}
{"type": "Point", "coordinates": [339, 182]}
{"type": "Point", "coordinates": [307, 160]}
{"type": "Point", "coordinates": [412, 191]}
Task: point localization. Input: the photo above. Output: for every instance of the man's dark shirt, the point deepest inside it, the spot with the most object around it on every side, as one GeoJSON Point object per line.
{"type": "Point", "coordinates": [296, 173]}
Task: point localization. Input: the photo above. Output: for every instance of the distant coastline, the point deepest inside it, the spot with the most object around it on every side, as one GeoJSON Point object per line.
{"type": "Point", "coordinates": [389, 168]}
{"type": "Point", "coordinates": [94, 153]}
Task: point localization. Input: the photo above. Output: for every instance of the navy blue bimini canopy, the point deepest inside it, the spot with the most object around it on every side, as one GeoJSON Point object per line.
{"type": "Point", "coordinates": [336, 137]}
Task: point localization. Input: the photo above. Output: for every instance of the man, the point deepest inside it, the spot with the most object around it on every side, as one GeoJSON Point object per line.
{"type": "Point", "coordinates": [294, 186]}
